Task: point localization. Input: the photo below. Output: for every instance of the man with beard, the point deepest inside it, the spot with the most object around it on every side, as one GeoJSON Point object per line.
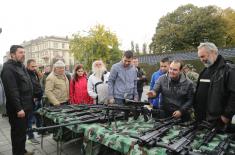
{"type": "Point", "coordinates": [215, 93]}
{"type": "Point", "coordinates": [176, 90]}
{"type": "Point", "coordinates": [123, 80]}
{"type": "Point", "coordinates": [37, 99]}
{"type": "Point", "coordinates": [98, 82]}
{"type": "Point", "coordinates": [19, 98]}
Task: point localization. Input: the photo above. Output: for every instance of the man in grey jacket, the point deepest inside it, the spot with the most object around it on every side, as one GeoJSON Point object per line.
{"type": "Point", "coordinates": [122, 83]}
{"type": "Point", "coordinates": [177, 91]}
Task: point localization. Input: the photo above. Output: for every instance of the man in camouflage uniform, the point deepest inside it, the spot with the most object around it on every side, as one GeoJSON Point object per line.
{"type": "Point", "coordinates": [192, 75]}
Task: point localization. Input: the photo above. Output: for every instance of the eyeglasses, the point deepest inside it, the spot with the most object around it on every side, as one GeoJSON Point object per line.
{"type": "Point", "coordinates": [99, 64]}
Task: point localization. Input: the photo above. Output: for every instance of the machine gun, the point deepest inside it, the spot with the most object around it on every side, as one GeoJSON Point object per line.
{"type": "Point", "coordinates": [150, 138]}
{"type": "Point", "coordinates": [130, 108]}
{"type": "Point", "coordinates": [84, 120]}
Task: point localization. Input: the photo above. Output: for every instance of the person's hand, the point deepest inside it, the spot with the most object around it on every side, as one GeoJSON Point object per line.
{"type": "Point", "coordinates": [224, 119]}
{"type": "Point", "coordinates": [21, 114]}
{"type": "Point", "coordinates": [151, 94]}
{"type": "Point", "coordinates": [177, 114]}
{"type": "Point", "coordinates": [111, 101]}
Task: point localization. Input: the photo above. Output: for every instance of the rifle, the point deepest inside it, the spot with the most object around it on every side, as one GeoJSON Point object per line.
{"type": "Point", "coordinates": [222, 148]}
{"type": "Point", "coordinates": [208, 137]}
{"type": "Point", "coordinates": [88, 119]}
{"type": "Point", "coordinates": [151, 137]}
{"type": "Point", "coordinates": [130, 109]}
{"type": "Point", "coordinates": [186, 131]}
{"type": "Point", "coordinates": [181, 145]}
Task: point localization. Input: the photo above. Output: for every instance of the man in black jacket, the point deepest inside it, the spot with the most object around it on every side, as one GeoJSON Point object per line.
{"type": "Point", "coordinates": [37, 98]}
{"type": "Point", "coordinates": [19, 98]}
{"type": "Point", "coordinates": [141, 78]}
{"type": "Point", "coordinates": [177, 92]}
{"type": "Point", "coordinates": [215, 94]}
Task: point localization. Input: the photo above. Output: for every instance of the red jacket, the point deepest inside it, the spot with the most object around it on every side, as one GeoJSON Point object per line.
{"type": "Point", "coordinates": [78, 91]}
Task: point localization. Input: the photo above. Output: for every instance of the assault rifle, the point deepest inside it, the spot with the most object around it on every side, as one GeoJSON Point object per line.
{"type": "Point", "coordinates": [150, 138]}
{"type": "Point", "coordinates": [75, 122]}
{"type": "Point", "coordinates": [208, 137]}
{"type": "Point", "coordinates": [222, 148]}
{"type": "Point", "coordinates": [181, 146]}
{"type": "Point", "coordinates": [186, 130]}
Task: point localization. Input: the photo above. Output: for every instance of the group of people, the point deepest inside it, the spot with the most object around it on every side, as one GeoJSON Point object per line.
{"type": "Point", "coordinates": [211, 96]}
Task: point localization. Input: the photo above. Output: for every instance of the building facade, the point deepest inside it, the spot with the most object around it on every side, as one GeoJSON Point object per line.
{"type": "Point", "coordinates": [46, 50]}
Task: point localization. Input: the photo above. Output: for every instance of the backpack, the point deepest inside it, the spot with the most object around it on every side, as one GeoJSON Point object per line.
{"type": "Point", "coordinates": [101, 89]}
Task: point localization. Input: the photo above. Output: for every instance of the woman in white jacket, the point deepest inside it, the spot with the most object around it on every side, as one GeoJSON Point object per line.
{"type": "Point", "coordinates": [98, 82]}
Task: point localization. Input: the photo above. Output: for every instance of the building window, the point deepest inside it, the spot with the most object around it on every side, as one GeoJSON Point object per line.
{"type": "Point", "coordinates": [63, 45]}
{"type": "Point", "coordinates": [55, 45]}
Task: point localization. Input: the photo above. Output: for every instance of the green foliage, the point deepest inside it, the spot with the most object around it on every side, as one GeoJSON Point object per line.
{"type": "Point", "coordinates": [99, 43]}
{"type": "Point", "coordinates": [144, 48]}
{"type": "Point", "coordinates": [137, 49]}
{"type": "Point", "coordinates": [132, 46]}
{"type": "Point", "coordinates": [189, 25]}
{"type": "Point", "coordinates": [150, 69]}
{"type": "Point", "coordinates": [229, 18]}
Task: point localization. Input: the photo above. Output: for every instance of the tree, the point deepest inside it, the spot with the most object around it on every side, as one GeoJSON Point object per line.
{"type": "Point", "coordinates": [99, 43]}
{"type": "Point", "coordinates": [132, 46]}
{"type": "Point", "coordinates": [144, 48]}
{"type": "Point", "coordinates": [186, 27]}
{"type": "Point", "coordinates": [229, 18]}
{"type": "Point", "coordinates": [137, 49]}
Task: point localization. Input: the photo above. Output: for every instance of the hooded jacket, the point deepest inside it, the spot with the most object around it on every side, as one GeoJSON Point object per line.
{"type": "Point", "coordinates": [78, 91]}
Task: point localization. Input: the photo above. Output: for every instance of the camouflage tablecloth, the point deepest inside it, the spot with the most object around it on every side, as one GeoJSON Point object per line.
{"type": "Point", "coordinates": [120, 135]}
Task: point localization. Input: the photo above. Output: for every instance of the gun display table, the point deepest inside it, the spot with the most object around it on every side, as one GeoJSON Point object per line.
{"type": "Point", "coordinates": [134, 136]}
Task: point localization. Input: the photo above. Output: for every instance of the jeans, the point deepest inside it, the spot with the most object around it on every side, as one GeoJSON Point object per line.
{"type": "Point", "coordinates": [32, 119]}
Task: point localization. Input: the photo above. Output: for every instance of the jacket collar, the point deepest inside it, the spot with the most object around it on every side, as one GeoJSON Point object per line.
{"type": "Point", "coordinates": [11, 61]}
{"type": "Point", "coordinates": [219, 62]}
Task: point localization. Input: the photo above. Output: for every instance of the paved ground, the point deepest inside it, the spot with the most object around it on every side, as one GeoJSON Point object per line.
{"type": "Point", "coordinates": [49, 145]}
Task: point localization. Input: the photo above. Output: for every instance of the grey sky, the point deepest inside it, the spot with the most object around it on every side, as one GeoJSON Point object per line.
{"type": "Point", "coordinates": [129, 19]}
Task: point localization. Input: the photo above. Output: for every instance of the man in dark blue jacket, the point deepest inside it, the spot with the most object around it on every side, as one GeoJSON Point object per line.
{"type": "Point", "coordinates": [19, 97]}
{"type": "Point", "coordinates": [164, 67]}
